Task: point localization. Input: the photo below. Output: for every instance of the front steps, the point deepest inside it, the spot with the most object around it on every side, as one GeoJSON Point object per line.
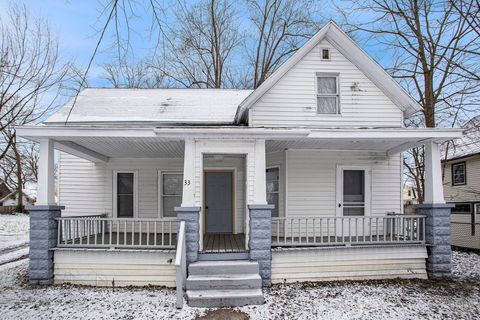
{"type": "Point", "coordinates": [224, 284]}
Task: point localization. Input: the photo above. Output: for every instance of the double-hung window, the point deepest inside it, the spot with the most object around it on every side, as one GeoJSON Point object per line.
{"type": "Point", "coordinates": [171, 192]}
{"type": "Point", "coordinates": [273, 179]}
{"type": "Point", "coordinates": [125, 185]}
{"type": "Point", "coordinates": [459, 174]}
{"type": "Point", "coordinates": [327, 94]}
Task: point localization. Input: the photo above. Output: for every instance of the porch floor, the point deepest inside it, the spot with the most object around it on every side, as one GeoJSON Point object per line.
{"type": "Point", "coordinates": [224, 242]}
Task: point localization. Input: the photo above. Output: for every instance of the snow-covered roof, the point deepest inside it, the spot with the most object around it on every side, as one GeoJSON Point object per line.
{"type": "Point", "coordinates": [160, 106]}
{"type": "Point", "coordinates": [469, 144]}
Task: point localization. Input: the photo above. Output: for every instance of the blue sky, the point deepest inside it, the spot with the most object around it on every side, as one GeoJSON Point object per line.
{"type": "Point", "coordinates": [76, 21]}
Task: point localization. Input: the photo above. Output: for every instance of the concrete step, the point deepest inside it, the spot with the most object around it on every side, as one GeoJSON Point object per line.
{"type": "Point", "coordinates": [223, 267]}
{"type": "Point", "coordinates": [224, 281]}
{"type": "Point", "coordinates": [224, 298]}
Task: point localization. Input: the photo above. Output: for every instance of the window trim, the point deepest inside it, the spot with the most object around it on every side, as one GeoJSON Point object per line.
{"type": "Point", "coordinates": [279, 185]}
{"type": "Point", "coordinates": [160, 174]}
{"type": "Point", "coordinates": [337, 95]}
{"type": "Point", "coordinates": [464, 173]}
{"type": "Point", "coordinates": [135, 192]}
{"type": "Point", "coordinates": [339, 187]}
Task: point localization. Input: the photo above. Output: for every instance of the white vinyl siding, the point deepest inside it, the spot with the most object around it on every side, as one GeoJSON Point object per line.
{"type": "Point", "coordinates": [311, 181]}
{"type": "Point", "coordinates": [342, 263]}
{"type": "Point", "coordinates": [292, 101]}
{"type": "Point", "coordinates": [463, 193]}
{"type": "Point", "coordinates": [117, 268]}
{"type": "Point", "coordinates": [86, 188]}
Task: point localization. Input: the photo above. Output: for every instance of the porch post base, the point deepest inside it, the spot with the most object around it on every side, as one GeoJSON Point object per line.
{"type": "Point", "coordinates": [43, 238]}
{"type": "Point", "coordinates": [191, 217]}
{"type": "Point", "coordinates": [438, 239]}
{"type": "Point", "coordinates": [260, 240]}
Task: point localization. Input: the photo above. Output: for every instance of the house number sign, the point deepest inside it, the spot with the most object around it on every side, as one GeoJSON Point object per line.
{"type": "Point", "coordinates": [186, 182]}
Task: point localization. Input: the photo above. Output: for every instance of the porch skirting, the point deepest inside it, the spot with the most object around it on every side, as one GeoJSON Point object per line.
{"type": "Point", "coordinates": [115, 268]}
{"type": "Point", "coordinates": [348, 263]}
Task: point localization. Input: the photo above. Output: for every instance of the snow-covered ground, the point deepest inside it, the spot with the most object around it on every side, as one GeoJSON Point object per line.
{"type": "Point", "coordinates": [13, 231]}
{"type": "Point", "coordinates": [394, 299]}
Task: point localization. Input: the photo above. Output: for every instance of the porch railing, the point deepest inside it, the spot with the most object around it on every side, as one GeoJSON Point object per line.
{"type": "Point", "coordinates": [100, 231]}
{"type": "Point", "coordinates": [354, 230]}
{"type": "Point", "coordinates": [181, 265]}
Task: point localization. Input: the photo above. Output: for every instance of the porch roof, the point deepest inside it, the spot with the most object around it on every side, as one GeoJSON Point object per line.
{"type": "Point", "coordinates": [96, 143]}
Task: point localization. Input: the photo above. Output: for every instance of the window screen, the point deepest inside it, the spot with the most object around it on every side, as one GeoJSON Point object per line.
{"type": "Point", "coordinates": [172, 190]}
{"type": "Point", "coordinates": [125, 194]}
{"type": "Point", "coordinates": [273, 179]}
{"type": "Point", "coordinates": [327, 95]}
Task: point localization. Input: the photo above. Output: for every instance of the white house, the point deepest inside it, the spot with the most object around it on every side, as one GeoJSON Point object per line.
{"type": "Point", "coordinates": [298, 180]}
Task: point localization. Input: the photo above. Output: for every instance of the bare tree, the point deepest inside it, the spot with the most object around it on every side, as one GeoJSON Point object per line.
{"type": "Point", "coordinates": [428, 40]}
{"type": "Point", "coordinates": [280, 28]}
{"type": "Point", "coordinates": [133, 75]}
{"type": "Point", "coordinates": [201, 44]}
{"type": "Point", "coordinates": [31, 77]}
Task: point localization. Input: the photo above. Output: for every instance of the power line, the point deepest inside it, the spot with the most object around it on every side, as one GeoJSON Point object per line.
{"type": "Point", "coordinates": [91, 59]}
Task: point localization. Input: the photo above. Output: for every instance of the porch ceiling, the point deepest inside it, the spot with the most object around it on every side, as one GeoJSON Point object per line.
{"type": "Point", "coordinates": [125, 147]}
{"type": "Point", "coordinates": [101, 143]}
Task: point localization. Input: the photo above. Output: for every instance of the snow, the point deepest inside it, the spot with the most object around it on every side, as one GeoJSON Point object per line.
{"type": "Point", "coordinates": [469, 144]}
{"type": "Point", "coordinates": [100, 105]}
{"type": "Point", "coordinates": [389, 299]}
{"type": "Point", "coordinates": [14, 231]}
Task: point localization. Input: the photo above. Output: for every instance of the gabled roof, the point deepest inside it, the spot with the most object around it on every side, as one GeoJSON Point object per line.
{"type": "Point", "coordinates": [352, 51]}
{"type": "Point", "coordinates": [152, 106]}
{"type": "Point", "coordinates": [469, 144]}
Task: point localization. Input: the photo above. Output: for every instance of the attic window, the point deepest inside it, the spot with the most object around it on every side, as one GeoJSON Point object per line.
{"type": "Point", "coordinates": [325, 54]}
{"type": "Point", "coordinates": [327, 94]}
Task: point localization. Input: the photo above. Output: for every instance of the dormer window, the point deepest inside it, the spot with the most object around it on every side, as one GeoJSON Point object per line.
{"type": "Point", "coordinates": [325, 54]}
{"type": "Point", "coordinates": [327, 94]}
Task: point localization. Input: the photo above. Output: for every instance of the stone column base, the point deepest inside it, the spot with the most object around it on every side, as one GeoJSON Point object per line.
{"type": "Point", "coordinates": [191, 217]}
{"type": "Point", "coordinates": [438, 239]}
{"type": "Point", "coordinates": [260, 240]}
{"type": "Point", "coordinates": [43, 238]}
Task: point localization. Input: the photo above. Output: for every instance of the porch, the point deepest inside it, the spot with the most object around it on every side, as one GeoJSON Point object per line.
{"type": "Point", "coordinates": [273, 190]}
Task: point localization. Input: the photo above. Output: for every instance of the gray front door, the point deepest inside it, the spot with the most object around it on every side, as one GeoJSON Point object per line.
{"type": "Point", "coordinates": [218, 202]}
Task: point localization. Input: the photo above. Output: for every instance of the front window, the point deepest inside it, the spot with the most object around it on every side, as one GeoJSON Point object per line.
{"type": "Point", "coordinates": [273, 179]}
{"type": "Point", "coordinates": [172, 190]}
{"type": "Point", "coordinates": [459, 174]}
{"type": "Point", "coordinates": [327, 95]}
{"type": "Point", "coordinates": [125, 194]}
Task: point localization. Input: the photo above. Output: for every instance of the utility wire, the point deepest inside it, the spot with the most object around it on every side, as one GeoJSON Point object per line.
{"type": "Point", "coordinates": [91, 59]}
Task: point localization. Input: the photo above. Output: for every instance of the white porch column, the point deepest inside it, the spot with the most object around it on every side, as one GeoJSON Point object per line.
{"type": "Point", "coordinates": [433, 174]}
{"type": "Point", "coordinates": [188, 196]}
{"type": "Point", "coordinates": [46, 175]}
{"type": "Point", "coordinates": [260, 187]}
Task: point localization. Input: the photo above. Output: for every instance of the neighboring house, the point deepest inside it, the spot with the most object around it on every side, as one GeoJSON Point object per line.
{"type": "Point", "coordinates": [9, 198]}
{"type": "Point", "coordinates": [462, 186]}
{"type": "Point", "coordinates": [12, 199]}
{"type": "Point", "coordinates": [409, 198]}
{"type": "Point", "coordinates": [290, 182]}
